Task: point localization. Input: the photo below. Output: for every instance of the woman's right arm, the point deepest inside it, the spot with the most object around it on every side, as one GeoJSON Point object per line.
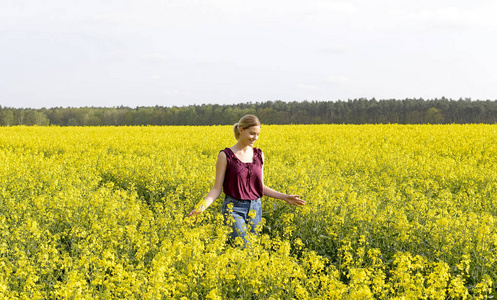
{"type": "Point", "coordinates": [216, 190]}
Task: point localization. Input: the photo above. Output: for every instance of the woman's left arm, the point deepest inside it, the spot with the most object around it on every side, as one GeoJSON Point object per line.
{"type": "Point", "coordinates": [290, 199]}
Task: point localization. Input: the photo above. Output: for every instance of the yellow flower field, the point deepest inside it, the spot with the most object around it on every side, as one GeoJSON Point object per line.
{"type": "Point", "coordinates": [393, 212]}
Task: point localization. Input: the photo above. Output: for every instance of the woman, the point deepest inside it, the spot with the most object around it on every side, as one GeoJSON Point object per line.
{"type": "Point", "coordinates": [239, 174]}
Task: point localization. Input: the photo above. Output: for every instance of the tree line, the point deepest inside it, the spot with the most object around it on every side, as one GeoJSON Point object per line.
{"type": "Point", "coordinates": [353, 111]}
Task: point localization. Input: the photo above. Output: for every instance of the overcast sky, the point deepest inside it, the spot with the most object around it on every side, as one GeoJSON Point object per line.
{"type": "Point", "coordinates": [181, 52]}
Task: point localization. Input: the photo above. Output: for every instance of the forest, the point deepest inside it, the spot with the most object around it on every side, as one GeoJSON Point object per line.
{"type": "Point", "coordinates": [352, 111]}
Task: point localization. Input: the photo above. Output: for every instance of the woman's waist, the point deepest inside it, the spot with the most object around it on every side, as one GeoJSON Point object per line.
{"type": "Point", "coordinates": [227, 196]}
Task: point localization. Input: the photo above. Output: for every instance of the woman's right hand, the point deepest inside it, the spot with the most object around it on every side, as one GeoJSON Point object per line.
{"type": "Point", "coordinates": [194, 212]}
{"type": "Point", "coordinates": [199, 208]}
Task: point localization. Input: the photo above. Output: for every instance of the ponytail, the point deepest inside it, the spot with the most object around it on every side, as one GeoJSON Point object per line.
{"type": "Point", "coordinates": [236, 130]}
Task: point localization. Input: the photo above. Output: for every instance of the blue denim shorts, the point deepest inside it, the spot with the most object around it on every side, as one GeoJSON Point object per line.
{"type": "Point", "coordinates": [244, 216]}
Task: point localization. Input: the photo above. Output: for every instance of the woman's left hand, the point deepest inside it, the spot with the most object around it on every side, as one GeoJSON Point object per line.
{"type": "Point", "coordinates": [294, 200]}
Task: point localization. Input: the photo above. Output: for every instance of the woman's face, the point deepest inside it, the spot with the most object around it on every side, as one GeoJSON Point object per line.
{"type": "Point", "coordinates": [249, 135]}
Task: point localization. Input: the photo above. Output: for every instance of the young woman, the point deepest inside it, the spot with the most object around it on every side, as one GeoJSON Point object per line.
{"type": "Point", "coordinates": [239, 174]}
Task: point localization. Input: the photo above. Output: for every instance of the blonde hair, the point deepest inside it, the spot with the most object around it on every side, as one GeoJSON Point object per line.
{"type": "Point", "coordinates": [244, 123]}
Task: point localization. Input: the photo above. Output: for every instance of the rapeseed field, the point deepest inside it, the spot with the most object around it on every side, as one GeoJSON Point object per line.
{"type": "Point", "coordinates": [392, 212]}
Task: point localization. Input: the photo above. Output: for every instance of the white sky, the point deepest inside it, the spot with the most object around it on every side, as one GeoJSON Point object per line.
{"type": "Point", "coordinates": [182, 52]}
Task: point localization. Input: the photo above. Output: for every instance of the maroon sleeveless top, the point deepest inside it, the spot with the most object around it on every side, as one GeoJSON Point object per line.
{"type": "Point", "coordinates": [243, 181]}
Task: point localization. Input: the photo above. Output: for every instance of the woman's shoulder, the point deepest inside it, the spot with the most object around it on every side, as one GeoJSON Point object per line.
{"type": "Point", "coordinates": [258, 153]}
{"type": "Point", "coordinates": [226, 152]}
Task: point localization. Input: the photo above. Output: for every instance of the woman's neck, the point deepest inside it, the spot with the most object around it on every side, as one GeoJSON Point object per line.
{"type": "Point", "coordinates": [241, 147]}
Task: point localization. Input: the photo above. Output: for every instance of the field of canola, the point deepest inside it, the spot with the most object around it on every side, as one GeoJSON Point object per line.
{"type": "Point", "coordinates": [393, 212]}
